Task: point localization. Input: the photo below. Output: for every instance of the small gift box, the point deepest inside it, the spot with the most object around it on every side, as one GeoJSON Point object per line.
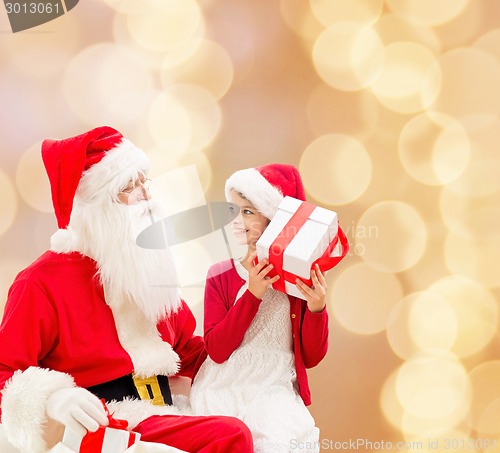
{"type": "Point", "coordinates": [299, 236]}
{"type": "Point", "coordinates": [114, 438]}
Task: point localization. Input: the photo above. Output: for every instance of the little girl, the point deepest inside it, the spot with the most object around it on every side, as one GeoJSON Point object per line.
{"type": "Point", "coordinates": [260, 341]}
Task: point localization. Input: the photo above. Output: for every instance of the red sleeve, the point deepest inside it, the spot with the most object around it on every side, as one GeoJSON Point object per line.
{"type": "Point", "coordinates": [314, 336]}
{"type": "Point", "coordinates": [28, 331]}
{"type": "Point", "coordinates": [226, 321]}
{"type": "Point", "coordinates": [178, 330]}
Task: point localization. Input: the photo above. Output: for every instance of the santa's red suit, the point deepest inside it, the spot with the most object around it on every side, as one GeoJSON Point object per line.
{"type": "Point", "coordinates": [56, 318]}
{"type": "Point", "coordinates": [59, 331]}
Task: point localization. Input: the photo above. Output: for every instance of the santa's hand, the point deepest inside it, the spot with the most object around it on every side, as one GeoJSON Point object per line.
{"type": "Point", "coordinates": [77, 409]}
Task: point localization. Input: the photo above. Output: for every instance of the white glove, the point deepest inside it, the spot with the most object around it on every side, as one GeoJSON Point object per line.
{"type": "Point", "coordinates": [77, 409]}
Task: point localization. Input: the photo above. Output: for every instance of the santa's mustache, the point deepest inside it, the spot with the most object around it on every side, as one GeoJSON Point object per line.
{"type": "Point", "coordinates": [144, 214]}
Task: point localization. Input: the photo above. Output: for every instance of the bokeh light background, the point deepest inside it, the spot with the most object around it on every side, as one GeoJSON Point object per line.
{"type": "Point", "coordinates": [390, 109]}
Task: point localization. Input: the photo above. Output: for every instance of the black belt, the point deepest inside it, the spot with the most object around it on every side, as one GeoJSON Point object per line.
{"type": "Point", "coordinates": [154, 389]}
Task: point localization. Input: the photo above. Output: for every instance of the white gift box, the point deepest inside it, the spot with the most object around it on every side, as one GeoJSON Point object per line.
{"type": "Point", "coordinates": [139, 447]}
{"type": "Point", "coordinates": [105, 440]}
{"type": "Point", "coordinates": [297, 236]}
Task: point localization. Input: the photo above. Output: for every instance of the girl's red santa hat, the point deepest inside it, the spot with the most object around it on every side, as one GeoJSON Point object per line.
{"type": "Point", "coordinates": [266, 186]}
{"type": "Point", "coordinates": [91, 167]}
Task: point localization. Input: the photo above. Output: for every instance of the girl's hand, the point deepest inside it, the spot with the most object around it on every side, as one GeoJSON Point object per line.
{"type": "Point", "coordinates": [315, 294]}
{"type": "Point", "coordinates": [258, 282]}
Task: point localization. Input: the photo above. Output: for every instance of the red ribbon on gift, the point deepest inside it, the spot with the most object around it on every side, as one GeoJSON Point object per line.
{"type": "Point", "coordinates": [277, 248]}
{"type": "Point", "coordinates": [325, 261]}
{"type": "Point", "coordinates": [114, 422]}
{"type": "Point", "coordinates": [92, 442]}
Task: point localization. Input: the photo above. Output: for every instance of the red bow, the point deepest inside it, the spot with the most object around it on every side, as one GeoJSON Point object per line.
{"type": "Point", "coordinates": [113, 422]}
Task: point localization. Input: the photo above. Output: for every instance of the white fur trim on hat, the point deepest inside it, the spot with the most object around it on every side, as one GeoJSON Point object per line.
{"type": "Point", "coordinates": [255, 188]}
{"type": "Point", "coordinates": [23, 406]}
{"type": "Point", "coordinates": [113, 172]}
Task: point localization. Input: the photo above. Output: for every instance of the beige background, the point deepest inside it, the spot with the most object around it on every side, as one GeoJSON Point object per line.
{"type": "Point", "coordinates": [390, 109]}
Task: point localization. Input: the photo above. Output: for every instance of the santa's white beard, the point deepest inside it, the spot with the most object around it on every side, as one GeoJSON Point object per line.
{"type": "Point", "coordinates": [128, 273]}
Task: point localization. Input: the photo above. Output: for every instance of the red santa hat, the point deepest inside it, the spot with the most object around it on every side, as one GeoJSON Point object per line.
{"type": "Point", "coordinates": [100, 160]}
{"type": "Point", "coordinates": [266, 186]}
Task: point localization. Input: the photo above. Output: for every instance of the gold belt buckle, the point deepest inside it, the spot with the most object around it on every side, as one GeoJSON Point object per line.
{"type": "Point", "coordinates": [149, 389]}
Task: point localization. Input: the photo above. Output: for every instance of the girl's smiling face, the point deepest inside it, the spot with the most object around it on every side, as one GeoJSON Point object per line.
{"type": "Point", "coordinates": [249, 224]}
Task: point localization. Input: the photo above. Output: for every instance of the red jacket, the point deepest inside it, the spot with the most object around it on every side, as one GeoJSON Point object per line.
{"type": "Point", "coordinates": [56, 318]}
{"type": "Point", "coordinates": [227, 322]}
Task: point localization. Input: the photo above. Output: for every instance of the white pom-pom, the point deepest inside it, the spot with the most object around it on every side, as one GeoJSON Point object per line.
{"type": "Point", "coordinates": [63, 241]}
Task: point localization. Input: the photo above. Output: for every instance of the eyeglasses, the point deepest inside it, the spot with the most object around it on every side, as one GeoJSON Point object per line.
{"type": "Point", "coordinates": [142, 184]}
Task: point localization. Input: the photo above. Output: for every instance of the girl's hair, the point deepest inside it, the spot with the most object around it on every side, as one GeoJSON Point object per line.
{"type": "Point", "coordinates": [241, 195]}
{"type": "Point", "coordinates": [245, 198]}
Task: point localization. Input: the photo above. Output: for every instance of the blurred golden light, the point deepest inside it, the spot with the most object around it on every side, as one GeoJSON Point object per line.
{"type": "Point", "coordinates": [469, 83]}
{"type": "Point", "coordinates": [49, 54]}
{"type": "Point", "coordinates": [330, 12]}
{"type": "Point", "coordinates": [476, 259]}
{"type": "Point", "coordinates": [165, 24]}
{"type": "Point", "coordinates": [32, 181]}
{"type": "Point", "coordinates": [469, 217]}
{"type": "Point", "coordinates": [44, 227]}
{"type": "Point", "coordinates": [149, 58]}
{"type": "Point", "coordinates": [422, 321]}
{"type": "Point", "coordinates": [336, 169]}
{"type": "Point", "coordinates": [405, 84]}
{"type": "Point", "coordinates": [108, 84]}
{"type": "Point", "coordinates": [389, 402]}
{"type": "Point", "coordinates": [166, 184]}
{"type": "Point", "coordinates": [480, 179]}
{"type": "Point", "coordinates": [392, 235]}
{"type": "Point", "coordinates": [8, 207]}
{"type": "Point", "coordinates": [163, 158]}
{"type": "Point", "coordinates": [193, 258]}
{"type": "Point", "coordinates": [434, 148]}
{"type": "Point", "coordinates": [354, 113]}
{"type": "Point", "coordinates": [423, 428]}
{"type": "Point", "coordinates": [398, 334]}
{"type": "Point", "coordinates": [170, 123]}
{"type": "Point", "coordinates": [300, 19]}
{"type": "Point", "coordinates": [131, 6]}
{"type": "Point", "coordinates": [199, 62]}
{"type": "Point", "coordinates": [432, 265]}
{"type": "Point", "coordinates": [184, 118]}
{"type": "Point", "coordinates": [183, 52]}
{"type": "Point", "coordinates": [485, 408]}
{"type": "Point", "coordinates": [477, 321]}
{"type": "Point", "coordinates": [364, 308]}
{"type": "Point", "coordinates": [432, 386]}
{"type": "Point", "coordinates": [204, 111]}
{"type": "Point", "coordinates": [490, 42]}
{"type": "Point", "coordinates": [392, 28]}
{"type": "Point", "coordinates": [348, 56]}
{"type": "Point", "coordinates": [203, 167]}
{"type": "Point", "coordinates": [465, 27]}
{"type": "Point", "coordinates": [427, 12]}
{"type": "Point", "coordinates": [432, 323]}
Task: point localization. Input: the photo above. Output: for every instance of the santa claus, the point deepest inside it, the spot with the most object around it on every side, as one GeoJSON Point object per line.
{"type": "Point", "coordinates": [98, 317]}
